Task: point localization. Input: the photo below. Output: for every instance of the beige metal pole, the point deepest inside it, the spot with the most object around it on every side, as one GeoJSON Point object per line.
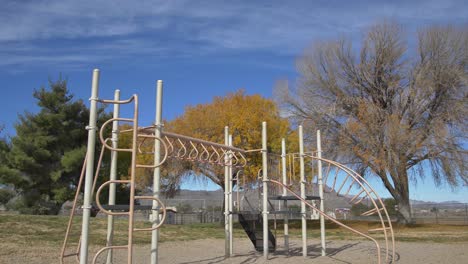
{"type": "Point", "coordinates": [113, 175]}
{"type": "Point", "coordinates": [303, 195]}
{"type": "Point", "coordinates": [320, 185]}
{"type": "Point", "coordinates": [156, 173]}
{"type": "Point", "coordinates": [226, 195]}
{"type": "Point", "coordinates": [89, 168]}
{"type": "Point", "coordinates": [230, 199]}
{"type": "Point", "coordinates": [285, 192]}
{"type": "Point", "coordinates": [265, 189]}
{"type": "Point", "coordinates": [131, 209]}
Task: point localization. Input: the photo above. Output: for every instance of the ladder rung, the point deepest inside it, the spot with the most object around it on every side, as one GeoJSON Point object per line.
{"type": "Point", "coordinates": [360, 200]}
{"type": "Point", "coordinates": [70, 255]}
{"type": "Point", "coordinates": [372, 211]}
{"type": "Point", "coordinates": [357, 195]}
{"type": "Point", "coordinates": [378, 229]}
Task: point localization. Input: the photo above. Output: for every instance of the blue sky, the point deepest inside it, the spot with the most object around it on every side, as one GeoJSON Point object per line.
{"type": "Point", "coordinates": [200, 49]}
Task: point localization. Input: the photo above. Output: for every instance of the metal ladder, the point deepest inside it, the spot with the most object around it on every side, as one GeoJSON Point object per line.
{"type": "Point", "coordinates": [134, 150]}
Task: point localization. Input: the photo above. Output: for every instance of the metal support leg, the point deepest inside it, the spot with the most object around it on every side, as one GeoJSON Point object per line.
{"type": "Point", "coordinates": [285, 192]}
{"type": "Point", "coordinates": [156, 173]}
{"type": "Point", "coordinates": [265, 189]}
{"type": "Point", "coordinates": [226, 196]}
{"type": "Point", "coordinates": [89, 168]}
{"type": "Point", "coordinates": [303, 206]}
{"type": "Point", "coordinates": [320, 185]}
{"type": "Point", "coordinates": [113, 176]}
{"type": "Point", "coordinates": [230, 200]}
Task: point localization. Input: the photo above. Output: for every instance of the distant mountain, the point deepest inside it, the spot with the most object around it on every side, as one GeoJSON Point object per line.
{"type": "Point", "coordinates": [211, 199]}
{"type": "Point", "coordinates": [207, 199]}
{"type": "Point", "coordinates": [445, 204]}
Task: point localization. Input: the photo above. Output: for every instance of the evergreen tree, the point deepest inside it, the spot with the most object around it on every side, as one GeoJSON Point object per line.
{"type": "Point", "coordinates": [8, 175]}
{"type": "Point", "coordinates": [49, 147]}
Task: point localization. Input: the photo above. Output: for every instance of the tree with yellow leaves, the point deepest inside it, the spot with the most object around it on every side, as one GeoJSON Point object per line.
{"type": "Point", "coordinates": [243, 114]}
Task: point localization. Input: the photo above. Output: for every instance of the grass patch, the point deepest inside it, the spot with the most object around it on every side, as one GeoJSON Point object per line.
{"type": "Point", "coordinates": [26, 230]}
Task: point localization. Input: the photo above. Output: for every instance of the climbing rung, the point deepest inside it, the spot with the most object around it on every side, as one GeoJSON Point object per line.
{"type": "Point", "coordinates": [350, 186]}
{"type": "Point", "coordinates": [360, 200]}
{"type": "Point", "coordinates": [70, 255]}
{"type": "Point", "coordinates": [357, 195]}
{"type": "Point", "coordinates": [378, 229]}
{"type": "Point", "coordinates": [334, 179]}
{"type": "Point", "coordinates": [372, 211]}
{"type": "Point", "coordinates": [342, 185]}
{"type": "Point", "coordinates": [326, 173]}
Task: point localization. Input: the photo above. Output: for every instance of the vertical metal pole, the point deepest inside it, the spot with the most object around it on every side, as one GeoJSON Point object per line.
{"type": "Point", "coordinates": [113, 175]}
{"type": "Point", "coordinates": [230, 199]}
{"type": "Point", "coordinates": [320, 185]}
{"type": "Point", "coordinates": [303, 195]}
{"type": "Point", "coordinates": [131, 209]}
{"type": "Point", "coordinates": [265, 189]}
{"type": "Point", "coordinates": [89, 168]}
{"type": "Point", "coordinates": [226, 196]}
{"type": "Point", "coordinates": [285, 192]}
{"type": "Point", "coordinates": [156, 173]}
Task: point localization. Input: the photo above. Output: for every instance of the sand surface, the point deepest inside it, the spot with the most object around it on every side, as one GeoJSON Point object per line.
{"type": "Point", "coordinates": [212, 251]}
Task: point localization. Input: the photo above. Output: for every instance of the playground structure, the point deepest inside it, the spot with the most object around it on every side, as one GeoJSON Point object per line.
{"type": "Point", "coordinates": [328, 175]}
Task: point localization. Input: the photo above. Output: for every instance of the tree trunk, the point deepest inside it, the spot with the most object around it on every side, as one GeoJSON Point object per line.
{"type": "Point", "coordinates": [402, 196]}
{"type": "Point", "coordinates": [404, 210]}
{"type": "Point", "coordinates": [400, 193]}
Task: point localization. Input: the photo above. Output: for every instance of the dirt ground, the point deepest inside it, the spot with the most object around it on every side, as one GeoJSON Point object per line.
{"type": "Point", "coordinates": [212, 251]}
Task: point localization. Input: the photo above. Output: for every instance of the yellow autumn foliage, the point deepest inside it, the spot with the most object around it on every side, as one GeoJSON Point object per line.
{"type": "Point", "coordinates": [243, 114]}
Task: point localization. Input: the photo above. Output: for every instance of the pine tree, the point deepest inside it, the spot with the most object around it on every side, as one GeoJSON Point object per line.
{"type": "Point", "coordinates": [49, 147]}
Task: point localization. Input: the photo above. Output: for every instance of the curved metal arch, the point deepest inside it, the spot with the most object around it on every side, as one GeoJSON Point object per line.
{"type": "Point", "coordinates": [366, 188]}
{"type": "Point", "coordinates": [329, 217]}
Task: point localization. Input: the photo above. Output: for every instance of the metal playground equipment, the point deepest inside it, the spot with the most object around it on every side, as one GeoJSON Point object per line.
{"type": "Point", "coordinates": [326, 175]}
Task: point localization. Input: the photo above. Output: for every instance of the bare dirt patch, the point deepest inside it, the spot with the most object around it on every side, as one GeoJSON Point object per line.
{"type": "Point", "coordinates": [207, 251]}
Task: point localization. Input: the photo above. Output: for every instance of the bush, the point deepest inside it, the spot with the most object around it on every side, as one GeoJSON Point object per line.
{"type": "Point", "coordinates": [20, 204]}
{"type": "Point", "coordinates": [358, 209]}
{"type": "Point", "coordinates": [390, 204]}
{"type": "Point", "coordinates": [5, 196]}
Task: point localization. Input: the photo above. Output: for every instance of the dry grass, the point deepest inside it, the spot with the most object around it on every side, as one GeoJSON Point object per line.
{"type": "Point", "coordinates": [38, 239]}
{"type": "Point", "coordinates": [24, 230]}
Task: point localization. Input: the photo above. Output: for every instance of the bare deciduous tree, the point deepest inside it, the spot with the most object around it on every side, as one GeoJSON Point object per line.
{"type": "Point", "coordinates": [388, 112]}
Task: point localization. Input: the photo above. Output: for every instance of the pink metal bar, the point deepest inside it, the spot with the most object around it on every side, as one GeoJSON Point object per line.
{"type": "Point", "coordinates": [98, 203]}
{"type": "Point", "coordinates": [173, 135]}
{"type": "Point", "coordinates": [163, 207]}
{"type": "Point", "coordinates": [72, 213]}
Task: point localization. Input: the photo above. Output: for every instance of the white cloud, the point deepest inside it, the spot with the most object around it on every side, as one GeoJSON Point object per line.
{"type": "Point", "coordinates": [127, 28]}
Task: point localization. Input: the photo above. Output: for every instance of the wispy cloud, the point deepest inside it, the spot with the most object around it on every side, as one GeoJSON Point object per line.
{"type": "Point", "coordinates": [101, 29]}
